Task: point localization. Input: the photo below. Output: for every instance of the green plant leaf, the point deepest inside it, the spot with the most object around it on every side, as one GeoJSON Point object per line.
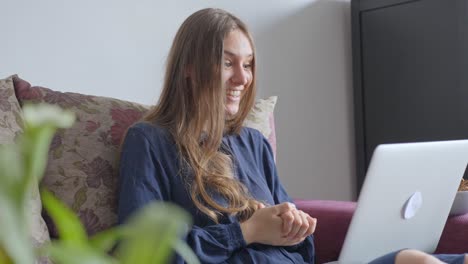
{"type": "Point", "coordinates": [185, 252]}
{"type": "Point", "coordinates": [11, 167]}
{"type": "Point", "coordinates": [150, 234]}
{"type": "Point", "coordinates": [41, 115]}
{"type": "Point", "coordinates": [67, 253]}
{"type": "Point", "coordinates": [14, 238]}
{"type": "Point", "coordinates": [41, 122]}
{"type": "Point", "coordinates": [35, 147]}
{"type": "Point", "coordinates": [4, 258]}
{"type": "Point", "coordinates": [14, 234]}
{"type": "Point", "coordinates": [68, 224]}
{"type": "Point", "coordinates": [106, 239]}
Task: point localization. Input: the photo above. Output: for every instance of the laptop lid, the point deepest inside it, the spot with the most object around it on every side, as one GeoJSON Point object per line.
{"type": "Point", "coordinates": [405, 199]}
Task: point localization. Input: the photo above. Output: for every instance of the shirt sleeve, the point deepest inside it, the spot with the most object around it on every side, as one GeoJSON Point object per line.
{"type": "Point", "coordinates": [216, 243]}
{"type": "Point", "coordinates": [306, 248]}
{"type": "Point", "coordinates": [145, 176]}
{"type": "Point", "coordinates": [140, 175]}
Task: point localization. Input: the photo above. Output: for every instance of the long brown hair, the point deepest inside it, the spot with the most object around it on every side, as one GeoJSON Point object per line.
{"type": "Point", "coordinates": [192, 108]}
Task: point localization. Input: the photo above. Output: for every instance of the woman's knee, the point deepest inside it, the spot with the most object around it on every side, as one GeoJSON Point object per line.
{"type": "Point", "coordinates": [411, 256]}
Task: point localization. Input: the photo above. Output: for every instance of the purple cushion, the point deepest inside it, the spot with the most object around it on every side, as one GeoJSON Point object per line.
{"type": "Point", "coordinates": [455, 235]}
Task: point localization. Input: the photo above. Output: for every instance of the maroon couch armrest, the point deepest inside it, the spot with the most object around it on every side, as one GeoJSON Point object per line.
{"type": "Point", "coordinates": [333, 218]}
{"type": "Point", "coordinates": [454, 238]}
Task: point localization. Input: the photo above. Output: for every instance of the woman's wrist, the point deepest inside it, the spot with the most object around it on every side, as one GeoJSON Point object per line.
{"type": "Point", "coordinates": [246, 232]}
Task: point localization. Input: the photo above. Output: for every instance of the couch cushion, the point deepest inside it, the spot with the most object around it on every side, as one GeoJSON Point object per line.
{"type": "Point", "coordinates": [82, 168]}
{"type": "Point", "coordinates": [11, 125]}
{"type": "Point", "coordinates": [261, 118]}
{"type": "Point", "coordinates": [82, 162]}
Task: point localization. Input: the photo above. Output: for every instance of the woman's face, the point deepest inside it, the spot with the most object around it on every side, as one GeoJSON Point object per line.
{"type": "Point", "coordinates": [236, 69]}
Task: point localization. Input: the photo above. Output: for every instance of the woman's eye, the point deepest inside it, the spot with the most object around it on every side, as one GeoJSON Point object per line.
{"type": "Point", "coordinates": [247, 66]}
{"type": "Point", "coordinates": [227, 64]}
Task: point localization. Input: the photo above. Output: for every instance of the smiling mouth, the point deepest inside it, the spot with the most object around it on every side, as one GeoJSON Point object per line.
{"type": "Point", "coordinates": [234, 93]}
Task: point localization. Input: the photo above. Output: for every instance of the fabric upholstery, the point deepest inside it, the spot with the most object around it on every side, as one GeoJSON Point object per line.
{"type": "Point", "coordinates": [11, 123]}
{"type": "Point", "coordinates": [453, 239]}
{"type": "Point", "coordinates": [83, 160]}
{"type": "Point", "coordinates": [11, 126]}
{"type": "Point", "coordinates": [261, 118]}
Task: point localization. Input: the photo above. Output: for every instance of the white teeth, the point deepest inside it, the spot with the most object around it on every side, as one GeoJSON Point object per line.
{"type": "Point", "coordinates": [234, 93]}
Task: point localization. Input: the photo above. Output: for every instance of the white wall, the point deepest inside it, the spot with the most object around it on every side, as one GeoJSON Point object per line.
{"type": "Point", "coordinates": [118, 48]}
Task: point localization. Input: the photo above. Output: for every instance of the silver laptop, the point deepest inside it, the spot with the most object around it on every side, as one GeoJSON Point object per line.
{"type": "Point", "coordinates": [405, 199]}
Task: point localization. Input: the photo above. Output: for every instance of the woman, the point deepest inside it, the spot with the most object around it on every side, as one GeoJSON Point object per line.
{"type": "Point", "coordinates": [192, 150]}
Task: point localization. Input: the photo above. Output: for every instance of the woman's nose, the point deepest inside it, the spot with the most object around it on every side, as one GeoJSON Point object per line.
{"type": "Point", "coordinates": [240, 76]}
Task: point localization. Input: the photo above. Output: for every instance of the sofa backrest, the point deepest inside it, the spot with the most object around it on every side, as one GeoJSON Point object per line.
{"type": "Point", "coordinates": [83, 160]}
{"type": "Point", "coordinates": [11, 126]}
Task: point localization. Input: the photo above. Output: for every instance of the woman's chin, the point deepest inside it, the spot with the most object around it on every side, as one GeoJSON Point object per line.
{"type": "Point", "coordinates": [231, 111]}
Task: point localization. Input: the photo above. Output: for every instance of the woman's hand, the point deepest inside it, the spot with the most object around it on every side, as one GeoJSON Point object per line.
{"type": "Point", "coordinates": [266, 226]}
{"type": "Point", "coordinates": [297, 224]}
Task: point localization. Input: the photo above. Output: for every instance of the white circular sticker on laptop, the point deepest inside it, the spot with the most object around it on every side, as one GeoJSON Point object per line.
{"type": "Point", "coordinates": [412, 206]}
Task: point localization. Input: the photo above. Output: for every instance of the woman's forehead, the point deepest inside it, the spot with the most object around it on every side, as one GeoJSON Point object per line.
{"type": "Point", "coordinates": [237, 44]}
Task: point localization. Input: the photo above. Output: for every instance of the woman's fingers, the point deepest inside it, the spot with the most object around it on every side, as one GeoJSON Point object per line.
{"type": "Point", "coordinates": [312, 225]}
{"type": "Point", "coordinates": [304, 227]}
{"type": "Point", "coordinates": [296, 224]}
{"type": "Point", "coordinates": [288, 219]}
{"type": "Point", "coordinates": [283, 208]}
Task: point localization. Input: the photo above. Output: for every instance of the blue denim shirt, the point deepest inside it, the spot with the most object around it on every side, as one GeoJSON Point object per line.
{"type": "Point", "coordinates": [150, 170]}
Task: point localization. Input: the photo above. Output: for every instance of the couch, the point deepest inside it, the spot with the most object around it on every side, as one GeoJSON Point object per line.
{"type": "Point", "coordinates": [82, 165]}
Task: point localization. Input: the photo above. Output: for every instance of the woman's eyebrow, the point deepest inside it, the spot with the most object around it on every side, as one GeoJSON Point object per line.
{"type": "Point", "coordinates": [230, 53]}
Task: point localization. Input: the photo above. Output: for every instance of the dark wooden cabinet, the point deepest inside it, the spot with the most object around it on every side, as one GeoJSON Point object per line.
{"type": "Point", "coordinates": [410, 69]}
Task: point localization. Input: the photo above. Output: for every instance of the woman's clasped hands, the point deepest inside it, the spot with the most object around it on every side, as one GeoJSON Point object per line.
{"type": "Point", "coordinates": [279, 225]}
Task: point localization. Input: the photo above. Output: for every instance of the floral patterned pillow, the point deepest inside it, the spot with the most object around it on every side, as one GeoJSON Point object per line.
{"type": "Point", "coordinates": [11, 122]}
{"type": "Point", "coordinates": [261, 118]}
{"type": "Point", "coordinates": [82, 168]}
{"type": "Point", "coordinates": [11, 125]}
{"type": "Point", "coordinates": [82, 164]}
